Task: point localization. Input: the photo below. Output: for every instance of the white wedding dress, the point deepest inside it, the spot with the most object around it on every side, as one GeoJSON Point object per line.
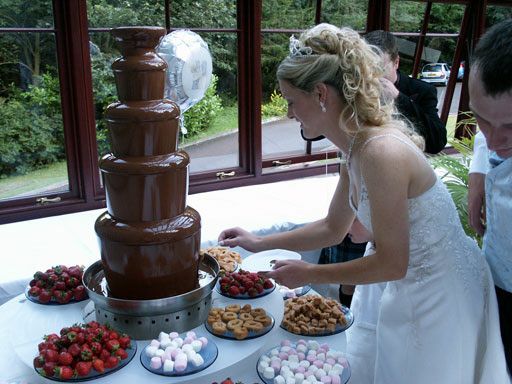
{"type": "Point", "coordinates": [440, 323]}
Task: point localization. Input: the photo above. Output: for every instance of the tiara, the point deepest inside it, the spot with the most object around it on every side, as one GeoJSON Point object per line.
{"type": "Point", "coordinates": [298, 49]}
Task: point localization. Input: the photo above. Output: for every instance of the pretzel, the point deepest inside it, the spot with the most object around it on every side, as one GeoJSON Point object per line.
{"type": "Point", "coordinates": [235, 308]}
{"type": "Point", "coordinates": [228, 316]}
{"type": "Point", "coordinates": [244, 316]}
{"type": "Point", "coordinates": [219, 328]}
{"type": "Point", "coordinates": [240, 333]}
{"type": "Point", "coordinates": [226, 258]}
{"type": "Point", "coordinates": [264, 320]}
{"type": "Point", "coordinates": [252, 325]}
{"type": "Point", "coordinates": [232, 324]}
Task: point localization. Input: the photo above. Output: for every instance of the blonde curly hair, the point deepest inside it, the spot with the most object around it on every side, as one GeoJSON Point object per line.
{"type": "Point", "coordinates": [341, 58]}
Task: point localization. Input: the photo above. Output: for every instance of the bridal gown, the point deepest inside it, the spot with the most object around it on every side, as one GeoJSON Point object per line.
{"type": "Point", "coordinates": [440, 323]}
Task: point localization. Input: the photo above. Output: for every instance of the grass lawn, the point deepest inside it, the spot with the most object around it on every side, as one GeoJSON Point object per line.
{"type": "Point", "coordinates": [56, 173]}
{"type": "Point", "coordinates": [226, 121]}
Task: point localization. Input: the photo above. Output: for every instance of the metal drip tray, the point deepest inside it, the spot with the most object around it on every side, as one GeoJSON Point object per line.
{"type": "Point", "coordinates": [144, 319]}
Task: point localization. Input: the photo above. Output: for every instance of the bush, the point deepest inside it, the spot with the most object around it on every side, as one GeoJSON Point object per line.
{"type": "Point", "coordinates": [278, 106]}
{"type": "Point", "coordinates": [200, 117]}
{"type": "Point", "coordinates": [31, 129]}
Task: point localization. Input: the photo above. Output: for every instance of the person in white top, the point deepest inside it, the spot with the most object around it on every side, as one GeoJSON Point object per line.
{"type": "Point", "coordinates": [424, 308]}
{"type": "Point", "coordinates": [490, 92]}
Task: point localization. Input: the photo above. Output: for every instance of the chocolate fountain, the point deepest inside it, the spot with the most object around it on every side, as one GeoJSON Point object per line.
{"type": "Point", "coordinates": [150, 277]}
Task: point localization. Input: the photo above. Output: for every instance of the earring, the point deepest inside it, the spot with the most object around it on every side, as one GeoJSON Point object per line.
{"type": "Point", "coordinates": [322, 107]}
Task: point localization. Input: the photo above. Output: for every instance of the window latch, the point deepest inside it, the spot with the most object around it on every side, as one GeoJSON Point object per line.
{"type": "Point", "coordinates": [223, 175]}
{"type": "Point", "coordinates": [277, 163]}
{"type": "Point", "coordinates": [46, 200]}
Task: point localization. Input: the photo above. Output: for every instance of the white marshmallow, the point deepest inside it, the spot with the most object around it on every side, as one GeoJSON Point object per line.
{"type": "Point", "coordinates": [192, 335]}
{"type": "Point", "coordinates": [155, 343]}
{"type": "Point", "coordinates": [197, 360]}
{"type": "Point", "coordinates": [197, 345]}
{"type": "Point", "coordinates": [173, 335]}
{"type": "Point", "coordinates": [151, 350]}
{"type": "Point", "coordinates": [168, 366]}
{"type": "Point", "coordinates": [178, 341]}
{"type": "Point", "coordinates": [268, 373]}
{"type": "Point", "coordinates": [159, 353]}
{"type": "Point", "coordinates": [165, 343]}
{"type": "Point", "coordinates": [279, 380]}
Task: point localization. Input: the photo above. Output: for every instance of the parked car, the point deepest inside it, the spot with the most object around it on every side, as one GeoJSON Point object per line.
{"type": "Point", "coordinates": [435, 73]}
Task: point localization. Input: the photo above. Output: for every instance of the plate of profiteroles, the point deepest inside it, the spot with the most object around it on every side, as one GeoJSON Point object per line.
{"type": "Point", "coordinates": [303, 362]}
{"type": "Point", "coordinates": [244, 284]}
{"type": "Point", "coordinates": [175, 354]}
{"type": "Point", "coordinates": [228, 259]}
{"type": "Point", "coordinates": [239, 322]}
{"type": "Point", "coordinates": [312, 315]}
{"type": "Point", "coordinates": [83, 352]}
{"type": "Point", "coordinates": [57, 285]}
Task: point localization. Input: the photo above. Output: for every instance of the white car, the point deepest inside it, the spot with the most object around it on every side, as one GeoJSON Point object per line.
{"type": "Point", "coordinates": [435, 73]}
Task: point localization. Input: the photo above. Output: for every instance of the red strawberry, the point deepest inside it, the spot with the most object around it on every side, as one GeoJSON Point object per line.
{"type": "Point", "coordinates": [111, 362]}
{"type": "Point", "coordinates": [45, 296]}
{"type": "Point", "coordinates": [252, 292]}
{"type": "Point", "coordinates": [112, 345]}
{"type": "Point", "coordinates": [248, 284]}
{"type": "Point", "coordinates": [75, 271]}
{"type": "Point", "coordinates": [60, 285]}
{"type": "Point", "coordinates": [121, 353]}
{"type": "Point", "coordinates": [98, 365]}
{"type": "Point", "coordinates": [39, 361]}
{"type": "Point", "coordinates": [79, 292]}
{"type": "Point", "coordinates": [241, 289]}
{"type": "Point", "coordinates": [85, 352]}
{"type": "Point", "coordinates": [74, 349]}
{"type": "Point", "coordinates": [83, 368]}
{"type": "Point", "coordinates": [124, 341]}
{"type": "Point", "coordinates": [227, 381]}
{"type": "Point", "coordinates": [258, 287]}
{"type": "Point", "coordinates": [51, 356]}
{"type": "Point", "coordinates": [233, 291]}
{"type": "Point", "coordinates": [104, 355]}
{"type": "Point", "coordinates": [65, 358]}
{"type": "Point", "coordinates": [96, 348]}
{"type": "Point", "coordinates": [40, 276]}
{"type": "Point", "coordinates": [34, 291]}
{"type": "Point", "coordinates": [267, 284]}
{"type": "Point", "coordinates": [49, 368]}
{"type": "Point", "coordinates": [64, 372]}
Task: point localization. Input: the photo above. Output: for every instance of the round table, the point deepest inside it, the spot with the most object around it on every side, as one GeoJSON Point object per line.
{"type": "Point", "coordinates": [24, 323]}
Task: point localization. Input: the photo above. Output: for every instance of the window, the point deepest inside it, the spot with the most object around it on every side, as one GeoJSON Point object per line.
{"type": "Point", "coordinates": [55, 82]}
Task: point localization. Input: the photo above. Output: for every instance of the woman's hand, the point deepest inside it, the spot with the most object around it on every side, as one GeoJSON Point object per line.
{"type": "Point", "coordinates": [238, 237]}
{"type": "Point", "coordinates": [291, 273]}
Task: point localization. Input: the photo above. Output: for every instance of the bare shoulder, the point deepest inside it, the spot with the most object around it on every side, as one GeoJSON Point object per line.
{"type": "Point", "coordinates": [390, 147]}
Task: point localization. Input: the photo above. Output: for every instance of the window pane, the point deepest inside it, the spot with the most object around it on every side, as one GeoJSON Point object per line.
{"type": "Point", "coordinates": [495, 14]}
{"type": "Point", "coordinates": [203, 14]}
{"type": "Point", "coordinates": [345, 13]}
{"type": "Point", "coordinates": [32, 155]}
{"type": "Point", "coordinates": [110, 14]}
{"type": "Point", "coordinates": [212, 124]}
{"type": "Point", "coordinates": [286, 14]}
{"type": "Point", "coordinates": [26, 14]}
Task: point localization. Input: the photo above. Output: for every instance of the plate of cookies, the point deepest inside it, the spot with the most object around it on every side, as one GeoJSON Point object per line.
{"type": "Point", "coordinates": [303, 361]}
{"type": "Point", "coordinates": [228, 259]}
{"type": "Point", "coordinates": [239, 322]}
{"type": "Point", "coordinates": [244, 285]}
{"type": "Point", "coordinates": [313, 315]}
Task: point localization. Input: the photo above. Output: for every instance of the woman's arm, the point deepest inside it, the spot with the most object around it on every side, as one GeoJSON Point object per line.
{"type": "Point", "coordinates": [321, 233]}
{"type": "Point", "coordinates": [386, 169]}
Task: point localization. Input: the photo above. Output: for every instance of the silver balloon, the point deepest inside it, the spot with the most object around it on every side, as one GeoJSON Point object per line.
{"type": "Point", "coordinates": [189, 69]}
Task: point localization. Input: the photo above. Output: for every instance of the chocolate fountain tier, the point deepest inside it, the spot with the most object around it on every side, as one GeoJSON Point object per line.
{"type": "Point", "coordinates": [150, 260]}
{"type": "Point", "coordinates": [143, 128]}
{"type": "Point", "coordinates": [140, 73]}
{"type": "Point", "coordinates": [146, 188]}
{"type": "Point", "coordinates": [143, 319]}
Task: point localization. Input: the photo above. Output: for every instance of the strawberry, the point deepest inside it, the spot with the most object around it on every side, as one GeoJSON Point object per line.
{"type": "Point", "coordinates": [96, 348]}
{"type": "Point", "coordinates": [79, 292]}
{"type": "Point", "coordinates": [224, 287]}
{"type": "Point", "coordinates": [258, 287]}
{"type": "Point", "coordinates": [64, 372]}
{"type": "Point", "coordinates": [83, 368]}
{"type": "Point", "coordinates": [233, 291]}
{"type": "Point", "coordinates": [98, 365]}
{"type": "Point", "coordinates": [227, 381]}
{"type": "Point", "coordinates": [267, 284]}
{"type": "Point", "coordinates": [60, 285]}
{"type": "Point", "coordinates": [111, 362]}
{"type": "Point", "coordinates": [34, 291]}
{"type": "Point", "coordinates": [248, 284]}
{"type": "Point", "coordinates": [113, 335]}
{"type": "Point", "coordinates": [124, 341]}
{"type": "Point", "coordinates": [85, 352]}
{"type": "Point", "coordinates": [51, 356]}
{"type": "Point", "coordinates": [93, 324]}
{"type": "Point", "coordinates": [104, 355]}
{"type": "Point", "coordinates": [65, 358]}
{"type": "Point", "coordinates": [252, 292]}
{"type": "Point", "coordinates": [112, 345]}
{"type": "Point", "coordinates": [74, 349]}
{"type": "Point", "coordinates": [45, 296]}
{"type": "Point", "coordinates": [49, 368]}
{"type": "Point", "coordinates": [40, 276]}
{"type": "Point", "coordinates": [38, 361]}
{"type": "Point", "coordinates": [75, 271]}
{"type": "Point", "coordinates": [121, 353]}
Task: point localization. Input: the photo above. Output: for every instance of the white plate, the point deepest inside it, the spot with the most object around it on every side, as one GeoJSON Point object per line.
{"type": "Point", "coordinates": [264, 261]}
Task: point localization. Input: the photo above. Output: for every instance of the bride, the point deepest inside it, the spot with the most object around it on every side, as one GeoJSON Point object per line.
{"type": "Point", "coordinates": [425, 307]}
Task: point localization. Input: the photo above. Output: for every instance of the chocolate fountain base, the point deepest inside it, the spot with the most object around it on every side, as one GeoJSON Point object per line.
{"type": "Point", "coordinates": [145, 319]}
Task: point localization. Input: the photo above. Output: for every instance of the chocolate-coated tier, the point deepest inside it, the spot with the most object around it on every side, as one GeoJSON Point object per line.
{"type": "Point", "coordinates": [146, 188]}
{"type": "Point", "coordinates": [140, 72]}
{"type": "Point", "coordinates": [143, 128]}
{"type": "Point", "coordinates": [150, 260]}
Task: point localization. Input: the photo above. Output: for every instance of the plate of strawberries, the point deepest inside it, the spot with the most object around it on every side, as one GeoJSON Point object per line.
{"type": "Point", "coordinates": [57, 285]}
{"type": "Point", "coordinates": [244, 285]}
{"type": "Point", "coordinates": [83, 352]}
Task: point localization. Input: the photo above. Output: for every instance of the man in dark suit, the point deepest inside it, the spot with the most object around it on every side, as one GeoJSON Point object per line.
{"type": "Point", "coordinates": [414, 99]}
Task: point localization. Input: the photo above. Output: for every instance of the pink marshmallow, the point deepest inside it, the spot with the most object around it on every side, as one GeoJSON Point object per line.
{"type": "Point", "coordinates": [326, 380]}
{"type": "Point", "coordinates": [203, 340]}
{"type": "Point", "coordinates": [301, 356]}
{"type": "Point", "coordinates": [311, 358]}
{"type": "Point", "coordinates": [335, 379]}
{"type": "Point", "coordinates": [318, 363]}
{"type": "Point", "coordinates": [330, 361]}
{"type": "Point", "coordinates": [156, 362]}
{"type": "Point", "coordinates": [283, 355]}
{"type": "Point", "coordinates": [285, 342]}
{"type": "Point", "coordinates": [343, 362]}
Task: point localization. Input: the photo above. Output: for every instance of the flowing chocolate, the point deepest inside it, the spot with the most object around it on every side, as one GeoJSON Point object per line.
{"type": "Point", "coordinates": [149, 238]}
